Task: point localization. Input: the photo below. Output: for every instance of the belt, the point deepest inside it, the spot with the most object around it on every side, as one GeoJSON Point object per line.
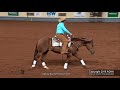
{"type": "Point", "coordinates": [60, 33]}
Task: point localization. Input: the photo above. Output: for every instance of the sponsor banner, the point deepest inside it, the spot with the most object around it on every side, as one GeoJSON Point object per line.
{"type": "Point", "coordinates": [79, 14]}
{"type": "Point", "coordinates": [61, 14]}
{"type": "Point", "coordinates": [37, 13]}
{"type": "Point", "coordinates": [51, 14]}
{"type": "Point", "coordinates": [95, 14]}
{"type": "Point", "coordinates": [112, 14]}
{"type": "Point", "coordinates": [30, 13]}
{"type": "Point", "coordinates": [13, 13]}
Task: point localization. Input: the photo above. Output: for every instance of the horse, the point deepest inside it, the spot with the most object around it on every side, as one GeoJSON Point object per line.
{"type": "Point", "coordinates": [43, 46]}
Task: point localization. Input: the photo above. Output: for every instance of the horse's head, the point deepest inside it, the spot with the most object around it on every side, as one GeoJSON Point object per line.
{"type": "Point", "coordinates": [85, 42]}
{"type": "Point", "coordinates": [89, 45]}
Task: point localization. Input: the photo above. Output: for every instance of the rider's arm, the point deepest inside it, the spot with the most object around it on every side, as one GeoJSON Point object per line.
{"type": "Point", "coordinates": [64, 28]}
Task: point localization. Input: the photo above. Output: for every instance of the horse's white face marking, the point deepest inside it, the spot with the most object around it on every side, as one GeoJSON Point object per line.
{"type": "Point", "coordinates": [65, 65]}
{"type": "Point", "coordinates": [83, 63]}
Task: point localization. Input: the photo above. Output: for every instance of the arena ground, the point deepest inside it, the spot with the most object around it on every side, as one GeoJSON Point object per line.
{"type": "Point", "coordinates": [18, 40]}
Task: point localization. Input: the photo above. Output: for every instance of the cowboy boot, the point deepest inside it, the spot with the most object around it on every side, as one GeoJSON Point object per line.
{"type": "Point", "coordinates": [64, 52]}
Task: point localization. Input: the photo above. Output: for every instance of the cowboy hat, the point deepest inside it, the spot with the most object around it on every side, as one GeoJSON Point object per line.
{"type": "Point", "coordinates": [61, 19]}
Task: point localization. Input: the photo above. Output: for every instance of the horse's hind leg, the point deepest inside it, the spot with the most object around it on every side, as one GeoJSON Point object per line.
{"type": "Point", "coordinates": [43, 60]}
{"type": "Point", "coordinates": [36, 59]}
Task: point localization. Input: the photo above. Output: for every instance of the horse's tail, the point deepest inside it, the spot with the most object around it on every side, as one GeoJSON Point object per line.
{"type": "Point", "coordinates": [35, 52]}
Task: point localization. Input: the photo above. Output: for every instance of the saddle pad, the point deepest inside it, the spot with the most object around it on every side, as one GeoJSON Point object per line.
{"type": "Point", "coordinates": [55, 43]}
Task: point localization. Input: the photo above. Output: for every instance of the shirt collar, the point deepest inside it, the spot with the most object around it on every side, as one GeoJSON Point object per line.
{"type": "Point", "coordinates": [62, 22]}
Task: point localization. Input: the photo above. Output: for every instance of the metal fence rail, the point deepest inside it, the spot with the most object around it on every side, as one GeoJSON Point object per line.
{"type": "Point", "coordinates": [68, 19]}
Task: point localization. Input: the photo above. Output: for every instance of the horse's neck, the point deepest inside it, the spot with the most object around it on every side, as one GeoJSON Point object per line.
{"type": "Point", "coordinates": [75, 45]}
{"type": "Point", "coordinates": [78, 43]}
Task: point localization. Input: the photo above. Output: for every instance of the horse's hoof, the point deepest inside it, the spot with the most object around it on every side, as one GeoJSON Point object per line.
{"type": "Point", "coordinates": [66, 69]}
{"type": "Point", "coordinates": [66, 66]}
{"type": "Point", "coordinates": [83, 63]}
{"type": "Point", "coordinates": [32, 66]}
{"type": "Point", "coordinates": [45, 67]}
{"type": "Point", "coordinates": [85, 66]}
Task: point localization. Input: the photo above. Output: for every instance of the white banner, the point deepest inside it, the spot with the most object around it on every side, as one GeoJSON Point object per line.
{"type": "Point", "coordinates": [79, 14]}
{"type": "Point", "coordinates": [37, 13]}
{"type": "Point", "coordinates": [51, 14]}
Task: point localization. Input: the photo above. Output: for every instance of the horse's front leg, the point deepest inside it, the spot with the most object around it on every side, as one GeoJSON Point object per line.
{"type": "Point", "coordinates": [43, 60]}
{"type": "Point", "coordinates": [81, 60]}
{"type": "Point", "coordinates": [66, 63]}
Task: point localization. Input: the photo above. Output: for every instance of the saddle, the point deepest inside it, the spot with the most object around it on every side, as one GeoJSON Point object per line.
{"type": "Point", "coordinates": [56, 41]}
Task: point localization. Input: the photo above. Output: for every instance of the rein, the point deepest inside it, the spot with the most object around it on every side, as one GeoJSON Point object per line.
{"type": "Point", "coordinates": [75, 45]}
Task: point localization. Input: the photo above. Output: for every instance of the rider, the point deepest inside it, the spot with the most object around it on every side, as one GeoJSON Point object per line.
{"type": "Point", "coordinates": [60, 31]}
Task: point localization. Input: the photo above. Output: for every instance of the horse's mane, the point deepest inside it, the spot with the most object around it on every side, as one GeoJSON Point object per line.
{"type": "Point", "coordinates": [80, 39]}
{"type": "Point", "coordinates": [75, 39]}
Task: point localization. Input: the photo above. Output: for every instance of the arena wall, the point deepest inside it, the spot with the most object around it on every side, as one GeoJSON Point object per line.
{"type": "Point", "coordinates": [53, 16]}
{"type": "Point", "coordinates": [3, 14]}
{"type": "Point", "coordinates": [20, 14]}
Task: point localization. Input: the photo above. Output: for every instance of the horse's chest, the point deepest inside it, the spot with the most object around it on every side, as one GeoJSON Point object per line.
{"type": "Point", "coordinates": [72, 49]}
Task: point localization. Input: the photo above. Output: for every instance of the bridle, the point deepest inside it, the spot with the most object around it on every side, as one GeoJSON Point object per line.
{"type": "Point", "coordinates": [73, 42]}
{"type": "Point", "coordinates": [75, 45]}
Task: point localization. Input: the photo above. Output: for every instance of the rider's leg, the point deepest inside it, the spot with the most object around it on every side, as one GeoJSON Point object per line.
{"type": "Point", "coordinates": [65, 43]}
{"type": "Point", "coordinates": [64, 46]}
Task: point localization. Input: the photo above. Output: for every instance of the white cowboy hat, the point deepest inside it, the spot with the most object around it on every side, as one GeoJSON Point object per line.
{"type": "Point", "coordinates": [62, 19]}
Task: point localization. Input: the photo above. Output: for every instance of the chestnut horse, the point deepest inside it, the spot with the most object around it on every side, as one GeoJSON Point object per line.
{"type": "Point", "coordinates": [43, 46]}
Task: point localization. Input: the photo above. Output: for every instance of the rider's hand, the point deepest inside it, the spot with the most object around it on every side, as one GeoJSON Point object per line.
{"type": "Point", "coordinates": [71, 34]}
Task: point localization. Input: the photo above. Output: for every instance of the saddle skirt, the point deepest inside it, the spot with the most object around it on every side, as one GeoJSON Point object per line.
{"type": "Point", "coordinates": [57, 42]}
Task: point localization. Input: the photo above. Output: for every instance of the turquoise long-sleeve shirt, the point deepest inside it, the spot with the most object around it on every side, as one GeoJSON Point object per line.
{"type": "Point", "coordinates": [61, 29]}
